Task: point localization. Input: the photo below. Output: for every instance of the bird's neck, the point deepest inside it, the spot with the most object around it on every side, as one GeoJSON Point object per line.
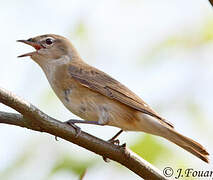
{"type": "Point", "coordinates": [51, 66]}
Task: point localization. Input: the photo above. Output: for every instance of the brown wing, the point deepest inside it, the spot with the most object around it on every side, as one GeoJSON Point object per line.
{"type": "Point", "coordinates": [100, 82]}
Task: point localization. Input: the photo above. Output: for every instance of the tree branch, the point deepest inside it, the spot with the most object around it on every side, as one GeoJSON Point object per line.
{"type": "Point", "coordinates": [32, 118]}
{"type": "Point", "coordinates": [211, 2]}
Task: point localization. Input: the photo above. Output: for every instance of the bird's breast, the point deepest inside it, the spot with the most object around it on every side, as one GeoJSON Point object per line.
{"type": "Point", "coordinates": [88, 104]}
{"type": "Point", "coordinates": [78, 99]}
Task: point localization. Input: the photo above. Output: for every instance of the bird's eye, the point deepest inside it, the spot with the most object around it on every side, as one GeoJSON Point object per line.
{"type": "Point", "coordinates": [49, 41]}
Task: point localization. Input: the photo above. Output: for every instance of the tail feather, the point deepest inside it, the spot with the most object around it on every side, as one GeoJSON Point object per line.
{"type": "Point", "coordinates": [187, 144]}
{"type": "Point", "coordinates": [149, 124]}
{"type": "Point", "coordinates": [196, 153]}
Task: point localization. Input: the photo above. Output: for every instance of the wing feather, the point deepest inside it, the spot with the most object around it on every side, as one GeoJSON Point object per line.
{"type": "Point", "coordinates": [102, 83]}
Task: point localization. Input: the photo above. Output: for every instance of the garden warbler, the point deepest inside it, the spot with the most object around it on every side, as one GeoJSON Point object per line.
{"type": "Point", "coordinates": [98, 98]}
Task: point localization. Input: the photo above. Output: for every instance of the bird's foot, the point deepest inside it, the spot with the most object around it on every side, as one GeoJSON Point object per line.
{"type": "Point", "coordinates": [56, 138]}
{"type": "Point", "coordinates": [72, 123]}
{"type": "Point", "coordinates": [115, 142]}
{"type": "Point", "coordinates": [77, 129]}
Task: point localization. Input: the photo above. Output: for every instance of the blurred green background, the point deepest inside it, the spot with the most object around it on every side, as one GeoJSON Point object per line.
{"type": "Point", "coordinates": [161, 50]}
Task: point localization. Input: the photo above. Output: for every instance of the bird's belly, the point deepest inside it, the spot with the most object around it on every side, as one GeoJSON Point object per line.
{"type": "Point", "coordinates": [83, 106]}
{"type": "Point", "coordinates": [93, 106]}
{"type": "Point", "coordinates": [88, 105]}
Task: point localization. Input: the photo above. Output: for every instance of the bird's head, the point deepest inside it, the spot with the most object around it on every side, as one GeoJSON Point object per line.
{"type": "Point", "coordinates": [49, 47]}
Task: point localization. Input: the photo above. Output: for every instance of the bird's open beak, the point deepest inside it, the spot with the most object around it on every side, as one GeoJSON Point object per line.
{"type": "Point", "coordinates": [36, 45]}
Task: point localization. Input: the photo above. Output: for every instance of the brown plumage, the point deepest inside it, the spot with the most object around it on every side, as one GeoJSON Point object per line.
{"type": "Point", "coordinates": [95, 96]}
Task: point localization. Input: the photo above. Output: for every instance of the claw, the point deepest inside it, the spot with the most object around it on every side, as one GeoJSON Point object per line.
{"type": "Point", "coordinates": [77, 129]}
{"type": "Point", "coordinates": [106, 159]}
{"type": "Point", "coordinates": [56, 138]}
{"type": "Point", "coordinates": [123, 145]}
{"type": "Point", "coordinates": [114, 141]}
{"type": "Point", "coordinates": [78, 132]}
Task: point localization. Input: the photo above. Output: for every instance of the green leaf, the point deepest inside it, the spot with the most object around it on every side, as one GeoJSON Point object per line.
{"type": "Point", "coordinates": [68, 164]}
{"type": "Point", "coordinates": [187, 39]}
{"type": "Point", "coordinates": [207, 31]}
{"type": "Point", "coordinates": [81, 30]}
{"type": "Point", "coordinates": [149, 148]}
{"type": "Point", "coordinates": [195, 111]}
{"type": "Point", "coordinates": [18, 163]}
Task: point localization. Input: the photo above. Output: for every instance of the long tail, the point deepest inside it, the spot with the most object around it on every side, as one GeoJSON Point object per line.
{"type": "Point", "coordinates": [153, 126]}
{"type": "Point", "coordinates": [186, 143]}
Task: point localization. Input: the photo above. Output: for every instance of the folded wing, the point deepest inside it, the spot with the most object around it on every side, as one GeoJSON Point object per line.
{"type": "Point", "coordinates": [102, 83]}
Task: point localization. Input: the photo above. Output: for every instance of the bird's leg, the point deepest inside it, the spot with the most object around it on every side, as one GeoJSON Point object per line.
{"type": "Point", "coordinates": [112, 140]}
{"type": "Point", "coordinates": [77, 129]}
{"type": "Point", "coordinates": [72, 123]}
{"type": "Point", "coordinates": [115, 141]}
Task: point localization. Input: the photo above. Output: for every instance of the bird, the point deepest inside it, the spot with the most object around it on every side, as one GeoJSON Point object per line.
{"type": "Point", "coordinates": [98, 98]}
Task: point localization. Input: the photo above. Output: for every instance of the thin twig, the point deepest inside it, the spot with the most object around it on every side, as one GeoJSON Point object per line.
{"type": "Point", "coordinates": [32, 118]}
